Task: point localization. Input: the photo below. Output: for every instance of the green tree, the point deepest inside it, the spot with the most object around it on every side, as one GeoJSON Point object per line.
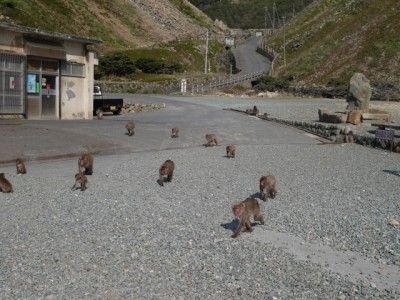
{"type": "Point", "coordinates": [116, 64]}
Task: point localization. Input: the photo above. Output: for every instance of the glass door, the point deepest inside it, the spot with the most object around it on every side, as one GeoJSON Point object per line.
{"type": "Point", "coordinates": [49, 96]}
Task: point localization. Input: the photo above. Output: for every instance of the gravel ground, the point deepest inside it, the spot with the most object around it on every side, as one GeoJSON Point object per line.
{"type": "Point", "coordinates": [127, 237]}
{"type": "Point", "coordinates": [326, 234]}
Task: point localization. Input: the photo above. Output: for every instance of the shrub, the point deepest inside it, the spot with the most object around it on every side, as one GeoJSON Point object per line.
{"type": "Point", "coordinates": [116, 64]}
{"type": "Point", "coordinates": [271, 84]}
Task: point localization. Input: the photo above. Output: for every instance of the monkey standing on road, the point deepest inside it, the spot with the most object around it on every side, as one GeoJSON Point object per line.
{"type": "Point", "coordinates": [130, 126]}
{"type": "Point", "coordinates": [230, 151]}
{"type": "Point", "coordinates": [81, 179]}
{"type": "Point", "coordinates": [175, 132]}
{"type": "Point", "coordinates": [5, 185]}
{"type": "Point", "coordinates": [267, 187]}
{"type": "Point", "coordinates": [211, 140]}
{"type": "Point", "coordinates": [166, 169]}
{"type": "Point", "coordinates": [20, 166]}
{"type": "Point", "coordinates": [244, 210]}
{"type": "Point", "coordinates": [85, 164]}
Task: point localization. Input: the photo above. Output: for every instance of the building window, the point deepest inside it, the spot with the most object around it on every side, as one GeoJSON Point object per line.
{"type": "Point", "coordinates": [72, 69]}
{"type": "Point", "coordinates": [12, 84]}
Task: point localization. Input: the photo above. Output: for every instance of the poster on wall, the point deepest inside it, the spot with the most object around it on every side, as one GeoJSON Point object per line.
{"type": "Point", "coordinates": [31, 83]}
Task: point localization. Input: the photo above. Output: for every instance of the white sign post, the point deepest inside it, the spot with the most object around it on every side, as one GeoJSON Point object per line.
{"type": "Point", "coordinates": [183, 86]}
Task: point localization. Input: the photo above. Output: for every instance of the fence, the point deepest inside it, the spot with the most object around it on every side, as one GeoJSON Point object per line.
{"type": "Point", "coordinates": [202, 87]}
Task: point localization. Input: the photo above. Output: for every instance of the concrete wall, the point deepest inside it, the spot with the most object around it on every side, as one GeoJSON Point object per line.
{"type": "Point", "coordinates": [75, 93]}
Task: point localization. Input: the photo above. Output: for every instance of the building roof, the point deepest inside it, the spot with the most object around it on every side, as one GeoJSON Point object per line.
{"type": "Point", "coordinates": [47, 33]}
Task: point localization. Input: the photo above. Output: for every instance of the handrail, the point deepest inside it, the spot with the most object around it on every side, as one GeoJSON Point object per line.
{"type": "Point", "coordinates": [199, 88]}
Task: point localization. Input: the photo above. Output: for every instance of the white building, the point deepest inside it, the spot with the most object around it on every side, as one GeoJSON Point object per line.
{"type": "Point", "coordinates": [44, 74]}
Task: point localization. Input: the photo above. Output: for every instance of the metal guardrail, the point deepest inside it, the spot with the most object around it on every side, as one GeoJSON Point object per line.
{"type": "Point", "coordinates": [201, 87]}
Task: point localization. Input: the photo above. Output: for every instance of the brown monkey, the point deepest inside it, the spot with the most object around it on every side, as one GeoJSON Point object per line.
{"type": "Point", "coordinates": [5, 185]}
{"type": "Point", "coordinates": [99, 114]}
{"type": "Point", "coordinates": [244, 210]}
{"type": "Point", "coordinates": [175, 132]}
{"type": "Point", "coordinates": [255, 111]}
{"type": "Point", "coordinates": [211, 140]}
{"type": "Point", "coordinates": [130, 126]}
{"type": "Point", "coordinates": [267, 187]}
{"type": "Point", "coordinates": [81, 179]}
{"type": "Point", "coordinates": [85, 164]}
{"type": "Point", "coordinates": [166, 169]}
{"type": "Point", "coordinates": [20, 166]}
{"type": "Point", "coordinates": [230, 151]}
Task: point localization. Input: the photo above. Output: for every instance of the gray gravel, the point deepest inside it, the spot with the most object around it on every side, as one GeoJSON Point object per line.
{"type": "Point", "coordinates": [326, 234]}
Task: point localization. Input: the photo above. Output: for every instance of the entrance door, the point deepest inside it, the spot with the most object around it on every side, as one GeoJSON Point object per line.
{"type": "Point", "coordinates": [49, 96]}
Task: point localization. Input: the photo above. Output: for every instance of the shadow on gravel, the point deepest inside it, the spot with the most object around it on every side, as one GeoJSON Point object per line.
{"type": "Point", "coordinates": [396, 173]}
{"type": "Point", "coordinates": [234, 224]}
{"type": "Point", "coordinates": [256, 195]}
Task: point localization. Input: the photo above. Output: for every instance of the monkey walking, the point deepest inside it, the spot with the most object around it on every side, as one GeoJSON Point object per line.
{"type": "Point", "coordinates": [244, 210]}
{"type": "Point", "coordinates": [267, 187]}
{"type": "Point", "coordinates": [85, 164]}
{"type": "Point", "coordinates": [211, 140]}
{"type": "Point", "coordinates": [5, 185]}
{"type": "Point", "coordinates": [82, 180]}
{"type": "Point", "coordinates": [99, 114]}
{"type": "Point", "coordinates": [166, 169]}
{"type": "Point", "coordinates": [230, 151]}
{"type": "Point", "coordinates": [20, 166]}
{"type": "Point", "coordinates": [130, 126]}
{"type": "Point", "coordinates": [175, 132]}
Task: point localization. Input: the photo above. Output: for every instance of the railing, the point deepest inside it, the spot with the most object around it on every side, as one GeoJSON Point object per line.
{"type": "Point", "coordinates": [202, 87]}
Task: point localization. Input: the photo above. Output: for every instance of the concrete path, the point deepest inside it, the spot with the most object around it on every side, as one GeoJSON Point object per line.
{"type": "Point", "coordinates": [48, 139]}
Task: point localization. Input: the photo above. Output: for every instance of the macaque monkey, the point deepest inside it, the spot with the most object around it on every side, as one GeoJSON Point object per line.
{"type": "Point", "coordinates": [244, 210]}
{"type": "Point", "coordinates": [81, 179]}
{"type": "Point", "coordinates": [230, 151]}
{"type": "Point", "coordinates": [267, 187]}
{"type": "Point", "coordinates": [20, 166]}
{"type": "Point", "coordinates": [85, 164]}
{"type": "Point", "coordinates": [166, 169]}
{"type": "Point", "coordinates": [99, 114]}
{"type": "Point", "coordinates": [5, 185]}
{"type": "Point", "coordinates": [175, 132]}
{"type": "Point", "coordinates": [211, 140]}
{"type": "Point", "coordinates": [255, 111]}
{"type": "Point", "coordinates": [130, 126]}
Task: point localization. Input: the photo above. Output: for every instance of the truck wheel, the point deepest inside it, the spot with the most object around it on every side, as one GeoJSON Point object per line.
{"type": "Point", "coordinates": [117, 112]}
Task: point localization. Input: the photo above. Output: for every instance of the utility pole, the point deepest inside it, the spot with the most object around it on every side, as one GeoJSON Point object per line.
{"type": "Point", "coordinates": [273, 18]}
{"type": "Point", "coordinates": [206, 54]}
{"type": "Point", "coordinates": [265, 20]}
{"type": "Point", "coordinates": [284, 42]}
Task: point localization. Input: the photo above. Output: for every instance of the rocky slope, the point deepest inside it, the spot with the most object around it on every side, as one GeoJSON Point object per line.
{"type": "Point", "coordinates": [119, 23]}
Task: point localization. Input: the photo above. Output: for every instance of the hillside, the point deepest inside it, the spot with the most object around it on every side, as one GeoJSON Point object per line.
{"type": "Point", "coordinates": [331, 39]}
{"type": "Point", "coordinates": [119, 24]}
{"type": "Point", "coordinates": [231, 11]}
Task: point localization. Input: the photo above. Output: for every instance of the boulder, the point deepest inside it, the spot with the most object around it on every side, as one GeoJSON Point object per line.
{"type": "Point", "coordinates": [354, 117]}
{"type": "Point", "coordinates": [359, 93]}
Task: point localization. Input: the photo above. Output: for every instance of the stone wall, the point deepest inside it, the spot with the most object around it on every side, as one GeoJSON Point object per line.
{"type": "Point", "coordinates": [379, 92]}
{"type": "Point", "coordinates": [138, 87]}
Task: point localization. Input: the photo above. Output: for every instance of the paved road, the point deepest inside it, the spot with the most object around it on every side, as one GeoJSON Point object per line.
{"type": "Point", "coordinates": [33, 140]}
{"type": "Point", "coordinates": [248, 60]}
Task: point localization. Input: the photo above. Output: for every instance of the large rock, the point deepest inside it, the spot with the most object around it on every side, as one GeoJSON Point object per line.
{"type": "Point", "coordinates": [354, 117]}
{"type": "Point", "coordinates": [359, 93]}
